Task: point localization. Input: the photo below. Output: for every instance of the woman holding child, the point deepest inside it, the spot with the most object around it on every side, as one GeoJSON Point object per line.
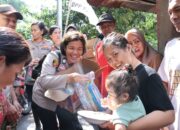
{"type": "Point", "coordinates": [151, 91]}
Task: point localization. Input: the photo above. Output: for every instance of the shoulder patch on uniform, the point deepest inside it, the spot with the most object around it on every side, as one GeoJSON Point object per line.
{"type": "Point", "coordinates": [55, 63]}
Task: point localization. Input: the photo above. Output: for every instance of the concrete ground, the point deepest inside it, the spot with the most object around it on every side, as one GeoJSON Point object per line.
{"type": "Point", "coordinates": [26, 123]}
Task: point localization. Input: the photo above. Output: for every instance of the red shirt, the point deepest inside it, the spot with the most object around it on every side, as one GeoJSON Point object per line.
{"type": "Point", "coordinates": [102, 63]}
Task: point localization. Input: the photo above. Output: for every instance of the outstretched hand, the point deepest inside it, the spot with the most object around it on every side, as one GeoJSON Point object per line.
{"type": "Point", "coordinates": [76, 77]}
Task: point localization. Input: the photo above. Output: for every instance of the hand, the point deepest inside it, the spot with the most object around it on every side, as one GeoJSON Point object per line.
{"type": "Point", "coordinates": [17, 106]}
{"type": "Point", "coordinates": [12, 114]}
{"type": "Point", "coordinates": [108, 125]}
{"type": "Point", "coordinates": [34, 61]}
{"type": "Point", "coordinates": [76, 77]}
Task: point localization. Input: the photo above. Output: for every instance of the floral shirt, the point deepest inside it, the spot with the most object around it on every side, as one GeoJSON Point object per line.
{"type": "Point", "coordinates": [2, 107]}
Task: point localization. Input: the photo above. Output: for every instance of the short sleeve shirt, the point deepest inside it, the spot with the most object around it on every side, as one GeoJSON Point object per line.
{"type": "Point", "coordinates": [129, 112]}
{"type": "Point", "coordinates": [151, 90]}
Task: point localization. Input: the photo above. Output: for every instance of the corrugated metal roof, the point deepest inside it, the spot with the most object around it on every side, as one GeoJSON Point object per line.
{"type": "Point", "coordinates": [142, 5]}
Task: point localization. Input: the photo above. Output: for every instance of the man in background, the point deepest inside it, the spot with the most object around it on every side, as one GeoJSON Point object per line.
{"type": "Point", "coordinates": [169, 69]}
{"type": "Point", "coordinates": [107, 25]}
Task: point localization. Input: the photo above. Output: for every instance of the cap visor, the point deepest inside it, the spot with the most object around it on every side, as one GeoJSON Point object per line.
{"type": "Point", "coordinates": [18, 15]}
{"type": "Point", "coordinates": [103, 21]}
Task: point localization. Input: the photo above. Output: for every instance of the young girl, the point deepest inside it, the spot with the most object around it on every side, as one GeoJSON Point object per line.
{"type": "Point", "coordinates": [122, 88]}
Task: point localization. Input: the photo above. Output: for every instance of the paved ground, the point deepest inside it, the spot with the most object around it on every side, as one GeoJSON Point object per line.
{"type": "Point", "coordinates": [26, 123]}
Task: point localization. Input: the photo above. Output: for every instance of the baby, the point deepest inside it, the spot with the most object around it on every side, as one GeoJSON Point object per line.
{"type": "Point", "coordinates": [122, 99]}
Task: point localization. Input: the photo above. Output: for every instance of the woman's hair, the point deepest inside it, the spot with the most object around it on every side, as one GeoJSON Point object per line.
{"type": "Point", "coordinates": [13, 47]}
{"type": "Point", "coordinates": [123, 81]}
{"type": "Point", "coordinates": [52, 28]}
{"type": "Point", "coordinates": [115, 39]}
{"type": "Point", "coordinates": [72, 36]}
{"type": "Point", "coordinates": [41, 26]}
{"type": "Point", "coordinates": [137, 33]}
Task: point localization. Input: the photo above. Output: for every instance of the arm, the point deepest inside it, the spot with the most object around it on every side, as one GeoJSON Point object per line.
{"type": "Point", "coordinates": [12, 114]}
{"type": "Point", "coordinates": [153, 121]}
{"type": "Point", "coordinates": [15, 101]}
{"type": "Point", "coordinates": [51, 79]}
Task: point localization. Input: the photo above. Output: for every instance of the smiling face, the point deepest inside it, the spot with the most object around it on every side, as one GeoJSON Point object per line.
{"type": "Point", "coordinates": [137, 45]}
{"type": "Point", "coordinates": [174, 13]}
{"type": "Point", "coordinates": [117, 57]}
{"type": "Point", "coordinates": [74, 50]}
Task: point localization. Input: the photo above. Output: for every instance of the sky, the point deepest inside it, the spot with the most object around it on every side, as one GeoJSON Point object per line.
{"type": "Point", "coordinates": [35, 5]}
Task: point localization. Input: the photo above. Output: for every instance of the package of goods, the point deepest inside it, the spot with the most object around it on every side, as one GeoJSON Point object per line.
{"type": "Point", "coordinates": [89, 94]}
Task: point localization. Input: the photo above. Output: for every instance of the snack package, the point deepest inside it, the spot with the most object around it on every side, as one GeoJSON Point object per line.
{"type": "Point", "coordinates": [89, 94]}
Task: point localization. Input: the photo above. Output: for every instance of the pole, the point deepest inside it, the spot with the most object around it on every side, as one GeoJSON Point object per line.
{"type": "Point", "coordinates": [67, 18]}
{"type": "Point", "coordinates": [59, 14]}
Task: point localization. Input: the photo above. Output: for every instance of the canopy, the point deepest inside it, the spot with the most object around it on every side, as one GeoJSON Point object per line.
{"type": "Point", "coordinates": [142, 5]}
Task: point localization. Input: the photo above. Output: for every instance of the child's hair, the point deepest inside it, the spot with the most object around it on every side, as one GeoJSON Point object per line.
{"type": "Point", "coordinates": [123, 81]}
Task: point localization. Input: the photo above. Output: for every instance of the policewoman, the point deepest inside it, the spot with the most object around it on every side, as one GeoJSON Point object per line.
{"type": "Point", "coordinates": [72, 49]}
{"type": "Point", "coordinates": [39, 47]}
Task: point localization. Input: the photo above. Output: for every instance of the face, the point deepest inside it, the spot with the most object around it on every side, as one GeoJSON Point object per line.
{"type": "Point", "coordinates": [36, 32]}
{"type": "Point", "coordinates": [112, 100]}
{"type": "Point", "coordinates": [107, 27]}
{"type": "Point", "coordinates": [56, 36]}
{"type": "Point", "coordinates": [3, 20]}
{"type": "Point", "coordinates": [74, 51]}
{"type": "Point", "coordinates": [137, 45]}
{"type": "Point", "coordinates": [8, 73]}
{"type": "Point", "coordinates": [71, 30]}
{"type": "Point", "coordinates": [174, 13]}
{"type": "Point", "coordinates": [12, 21]}
{"type": "Point", "coordinates": [8, 21]}
{"type": "Point", "coordinates": [117, 57]}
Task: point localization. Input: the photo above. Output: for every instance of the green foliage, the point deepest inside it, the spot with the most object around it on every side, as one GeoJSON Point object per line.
{"type": "Point", "coordinates": [125, 20]}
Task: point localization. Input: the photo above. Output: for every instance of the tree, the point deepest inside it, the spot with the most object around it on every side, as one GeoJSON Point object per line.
{"type": "Point", "coordinates": [125, 20]}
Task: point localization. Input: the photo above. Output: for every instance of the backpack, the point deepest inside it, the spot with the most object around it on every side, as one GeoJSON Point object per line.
{"type": "Point", "coordinates": [36, 72]}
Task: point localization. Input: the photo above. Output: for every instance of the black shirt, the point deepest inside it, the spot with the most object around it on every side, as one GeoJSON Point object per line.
{"type": "Point", "coordinates": [151, 90]}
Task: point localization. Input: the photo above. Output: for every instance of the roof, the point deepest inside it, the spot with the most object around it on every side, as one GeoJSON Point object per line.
{"type": "Point", "coordinates": [141, 5]}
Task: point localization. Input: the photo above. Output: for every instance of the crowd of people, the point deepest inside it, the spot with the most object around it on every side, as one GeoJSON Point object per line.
{"type": "Point", "coordinates": [139, 86]}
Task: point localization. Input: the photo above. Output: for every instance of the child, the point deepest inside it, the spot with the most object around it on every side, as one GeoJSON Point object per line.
{"type": "Point", "coordinates": [122, 88]}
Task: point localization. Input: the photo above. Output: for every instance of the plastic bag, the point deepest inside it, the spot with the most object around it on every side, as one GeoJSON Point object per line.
{"type": "Point", "coordinates": [89, 94]}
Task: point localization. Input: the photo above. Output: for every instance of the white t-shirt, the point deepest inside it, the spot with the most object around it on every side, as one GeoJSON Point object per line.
{"type": "Point", "coordinates": [169, 71]}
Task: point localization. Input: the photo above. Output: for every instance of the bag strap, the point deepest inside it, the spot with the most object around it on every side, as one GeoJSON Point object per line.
{"type": "Point", "coordinates": [58, 52]}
